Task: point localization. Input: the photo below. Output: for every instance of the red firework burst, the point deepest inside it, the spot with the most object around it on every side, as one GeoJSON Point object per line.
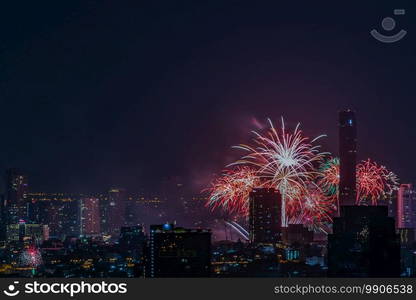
{"type": "Point", "coordinates": [374, 181]}
{"type": "Point", "coordinates": [231, 190]}
{"type": "Point", "coordinates": [313, 209]}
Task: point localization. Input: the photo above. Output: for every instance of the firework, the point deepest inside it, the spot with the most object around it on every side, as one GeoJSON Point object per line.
{"type": "Point", "coordinates": [329, 177]}
{"type": "Point", "coordinates": [374, 181]}
{"type": "Point", "coordinates": [30, 257]}
{"type": "Point", "coordinates": [231, 190]}
{"type": "Point", "coordinates": [314, 209]}
{"type": "Point", "coordinates": [285, 161]}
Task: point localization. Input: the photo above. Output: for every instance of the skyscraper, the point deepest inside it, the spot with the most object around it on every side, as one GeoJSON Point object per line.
{"type": "Point", "coordinates": [348, 157]}
{"type": "Point", "coordinates": [113, 211]}
{"type": "Point", "coordinates": [265, 222]}
{"type": "Point", "coordinates": [90, 216]}
{"type": "Point", "coordinates": [16, 206]}
{"type": "Point", "coordinates": [132, 241]}
{"type": "Point", "coordinates": [178, 252]}
{"type": "Point", "coordinates": [406, 207]}
{"type": "Point", "coordinates": [60, 211]}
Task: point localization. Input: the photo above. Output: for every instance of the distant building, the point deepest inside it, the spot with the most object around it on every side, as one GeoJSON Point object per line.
{"type": "Point", "coordinates": [348, 157]}
{"type": "Point", "coordinates": [90, 216]}
{"type": "Point", "coordinates": [265, 222]}
{"type": "Point", "coordinates": [16, 192]}
{"type": "Point", "coordinates": [297, 234]}
{"type": "Point", "coordinates": [132, 241]}
{"type": "Point", "coordinates": [178, 252]}
{"type": "Point", "coordinates": [364, 243]}
{"type": "Point", "coordinates": [406, 207]}
{"type": "Point", "coordinates": [3, 219]}
{"type": "Point", "coordinates": [26, 234]}
{"type": "Point", "coordinates": [392, 205]}
{"type": "Point", "coordinates": [113, 211]}
{"type": "Point", "coordinates": [60, 211]}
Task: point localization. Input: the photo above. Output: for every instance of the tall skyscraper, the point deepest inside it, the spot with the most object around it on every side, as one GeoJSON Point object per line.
{"type": "Point", "coordinates": [90, 216]}
{"type": "Point", "coordinates": [265, 221]}
{"type": "Point", "coordinates": [16, 206]}
{"type": "Point", "coordinates": [348, 157]}
{"type": "Point", "coordinates": [406, 207]}
{"type": "Point", "coordinates": [178, 252]}
{"type": "Point", "coordinates": [113, 211]}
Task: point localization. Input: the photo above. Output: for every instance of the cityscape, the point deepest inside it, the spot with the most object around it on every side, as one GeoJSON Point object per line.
{"type": "Point", "coordinates": [286, 209]}
{"type": "Point", "coordinates": [202, 145]}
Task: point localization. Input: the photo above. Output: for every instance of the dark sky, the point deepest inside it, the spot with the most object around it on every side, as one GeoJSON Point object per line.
{"type": "Point", "coordinates": [102, 93]}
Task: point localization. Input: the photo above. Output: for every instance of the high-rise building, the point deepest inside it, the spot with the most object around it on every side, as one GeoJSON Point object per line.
{"type": "Point", "coordinates": [132, 241]}
{"type": "Point", "coordinates": [90, 216]}
{"type": "Point", "coordinates": [407, 251]}
{"type": "Point", "coordinates": [3, 219]}
{"type": "Point", "coordinates": [113, 211]}
{"type": "Point", "coordinates": [60, 211]}
{"type": "Point", "coordinates": [26, 234]}
{"type": "Point", "coordinates": [406, 207]}
{"type": "Point", "coordinates": [364, 243]}
{"type": "Point", "coordinates": [16, 192]}
{"type": "Point", "coordinates": [265, 221]}
{"type": "Point", "coordinates": [348, 157]}
{"type": "Point", "coordinates": [178, 252]}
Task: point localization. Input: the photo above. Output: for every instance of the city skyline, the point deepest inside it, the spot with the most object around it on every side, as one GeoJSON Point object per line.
{"type": "Point", "coordinates": [207, 139]}
{"type": "Point", "coordinates": [288, 234]}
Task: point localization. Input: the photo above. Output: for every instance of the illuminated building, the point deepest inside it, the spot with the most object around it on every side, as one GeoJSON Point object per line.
{"type": "Point", "coordinates": [407, 251]}
{"type": "Point", "coordinates": [26, 234]}
{"type": "Point", "coordinates": [132, 241]}
{"type": "Point", "coordinates": [60, 211]}
{"type": "Point", "coordinates": [178, 252]}
{"type": "Point", "coordinates": [265, 216]}
{"type": "Point", "coordinates": [406, 207]}
{"type": "Point", "coordinates": [348, 157]}
{"type": "Point", "coordinates": [364, 243]}
{"type": "Point", "coordinates": [16, 193]}
{"type": "Point", "coordinates": [90, 216]}
{"type": "Point", "coordinates": [113, 211]}
{"type": "Point", "coordinates": [3, 219]}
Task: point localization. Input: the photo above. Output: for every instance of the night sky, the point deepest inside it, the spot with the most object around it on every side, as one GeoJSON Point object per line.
{"type": "Point", "coordinates": [97, 94]}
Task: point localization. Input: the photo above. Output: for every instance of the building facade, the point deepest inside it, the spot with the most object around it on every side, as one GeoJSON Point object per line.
{"type": "Point", "coordinates": [406, 207]}
{"type": "Point", "coordinates": [178, 252]}
{"type": "Point", "coordinates": [348, 157]}
{"type": "Point", "coordinates": [265, 222]}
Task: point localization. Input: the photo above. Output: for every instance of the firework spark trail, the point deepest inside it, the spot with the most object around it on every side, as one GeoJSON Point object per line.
{"type": "Point", "coordinates": [374, 181]}
{"type": "Point", "coordinates": [315, 209]}
{"type": "Point", "coordinates": [231, 190]}
{"type": "Point", "coordinates": [285, 160]}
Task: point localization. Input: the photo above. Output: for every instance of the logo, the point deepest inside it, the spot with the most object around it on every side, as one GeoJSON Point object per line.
{"type": "Point", "coordinates": [389, 24]}
{"type": "Point", "coordinates": [11, 292]}
{"type": "Point", "coordinates": [70, 289]}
